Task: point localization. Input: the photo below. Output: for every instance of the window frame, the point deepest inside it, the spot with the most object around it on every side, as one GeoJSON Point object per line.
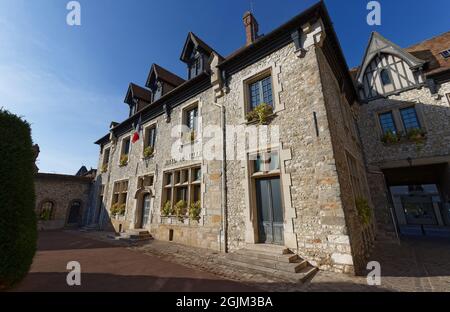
{"type": "Point", "coordinates": [419, 125]}
{"type": "Point", "coordinates": [258, 80]}
{"type": "Point", "coordinates": [391, 112]}
{"type": "Point", "coordinates": [445, 53]}
{"type": "Point", "coordinates": [147, 133]}
{"type": "Point", "coordinates": [122, 149]}
{"type": "Point", "coordinates": [389, 76]}
{"type": "Point", "coordinates": [121, 191]}
{"type": "Point", "coordinates": [187, 185]}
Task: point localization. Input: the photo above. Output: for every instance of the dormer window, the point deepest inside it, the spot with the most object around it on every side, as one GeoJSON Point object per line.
{"type": "Point", "coordinates": [446, 53]}
{"type": "Point", "coordinates": [196, 67]}
{"type": "Point", "coordinates": [385, 77]}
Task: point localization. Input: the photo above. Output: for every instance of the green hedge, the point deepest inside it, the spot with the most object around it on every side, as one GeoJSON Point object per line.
{"type": "Point", "coordinates": [18, 230]}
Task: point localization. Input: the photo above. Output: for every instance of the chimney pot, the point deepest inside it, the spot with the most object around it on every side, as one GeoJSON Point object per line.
{"type": "Point", "coordinates": [251, 27]}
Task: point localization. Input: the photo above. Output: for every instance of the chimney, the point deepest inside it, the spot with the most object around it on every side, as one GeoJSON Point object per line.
{"type": "Point", "coordinates": [251, 27]}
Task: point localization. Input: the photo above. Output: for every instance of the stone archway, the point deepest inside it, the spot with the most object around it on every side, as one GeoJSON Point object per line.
{"type": "Point", "coordinates": [144, 200]}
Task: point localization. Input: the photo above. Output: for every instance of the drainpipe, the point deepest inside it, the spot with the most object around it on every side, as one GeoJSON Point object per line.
{"type": "Point", "coordinates": [224, 223]}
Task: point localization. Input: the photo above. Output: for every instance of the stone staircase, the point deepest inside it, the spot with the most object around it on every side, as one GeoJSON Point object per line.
{"type": "Point", "coordinates": [136, 235]}
{"type": "Point", "coordinates": [277, 262]}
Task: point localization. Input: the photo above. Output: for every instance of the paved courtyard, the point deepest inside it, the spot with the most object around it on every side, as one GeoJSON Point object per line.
{"type": "Point", "coordinates": [414, 265]}
{"type": "Point", "coordinates": [112, 267]}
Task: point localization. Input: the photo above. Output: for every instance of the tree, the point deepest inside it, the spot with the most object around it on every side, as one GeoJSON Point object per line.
{"type": "Point", "coordinates": [18, 229]}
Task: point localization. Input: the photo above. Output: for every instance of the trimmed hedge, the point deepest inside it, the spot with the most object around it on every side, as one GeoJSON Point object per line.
{"type": "Point", "coordinates": [18, 229]}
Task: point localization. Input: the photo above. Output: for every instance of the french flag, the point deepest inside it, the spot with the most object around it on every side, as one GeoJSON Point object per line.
{"type": "Point", "coordinates": [137, 131]}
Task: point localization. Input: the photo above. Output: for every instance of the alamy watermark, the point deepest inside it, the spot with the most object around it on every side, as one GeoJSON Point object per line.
{"type": "Point", "coordinates": [74, 276]}
{"type": "Point", "coordinates": [374, 16]}
{"type": "Point", "coordinates": [73, 18]}
{"type": "Point", "coordinates": [374, 276]}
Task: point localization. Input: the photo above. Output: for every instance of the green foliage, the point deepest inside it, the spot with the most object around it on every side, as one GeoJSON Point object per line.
{"type": "Point", "coordinates": [260, 114]}
{"type": "Point", "coordinates": [123, 160]}
{"type": "Point", "coordinates": [18, 228]}
{"type": "Point", "coordinates": [194, 210]}
{"type": "Point", "coordinates": [167, 209]}
{"type": "Point", "coordinates": [45, 215]}
{"type": "Point", "coordinates": [416, 135]}
{"type": "Point", "coordinates": [180, 209]}
{"type": "Point", "coordinates": [390, 137]}
{"type": "Point", "coordinates": [364, 212]}
{"type": "Point", "coordinates": [118, 209]}
{"type": "Point", "coordinates": [148, 151]}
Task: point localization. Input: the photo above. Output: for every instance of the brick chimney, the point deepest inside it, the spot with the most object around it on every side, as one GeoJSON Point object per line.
{"type": "Point", "coordinates": [251, 27]}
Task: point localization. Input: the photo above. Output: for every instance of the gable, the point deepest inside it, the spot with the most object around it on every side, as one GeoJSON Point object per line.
{"type": "Point", "coordinates": [377, 45]}
{"type": "Point", "coordinates": [387, 69]}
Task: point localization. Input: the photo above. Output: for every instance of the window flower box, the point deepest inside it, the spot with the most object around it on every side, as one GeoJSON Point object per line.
{"type": "Point", "coordinates": [391, 138]}
{"type": "Point", "coordinates": [123, 160]}
{"type": "Point", "coordinates": [261, 114]}
{"type": "Point", "coordinates": [148, 152]}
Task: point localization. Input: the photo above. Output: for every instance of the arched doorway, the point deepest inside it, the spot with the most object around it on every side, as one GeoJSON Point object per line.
{"type": "Point", "coordinates": [74, 213]}
{"type": "Point", "coordinates": [146, 206]}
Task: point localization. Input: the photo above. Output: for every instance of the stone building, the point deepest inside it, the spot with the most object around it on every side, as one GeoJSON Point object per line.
{"type": "Point", "coordinates": [62, 201]}
{"type": "Point", "coordinates": [258, 147]}
{"type": "Point", "coordinates": [404, 125]}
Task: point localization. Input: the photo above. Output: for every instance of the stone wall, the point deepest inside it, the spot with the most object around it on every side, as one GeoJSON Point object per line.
{"type": "Point", "coordinates": [346, 141]}
{"type": "Point", "coordinates": [210, 223]}
{"type": "Point", "coordinates": [61, 190]}
{"type": "Point", "coordinates": [309, 173]}
{"type": "Point", "coordinates": [434, 115]}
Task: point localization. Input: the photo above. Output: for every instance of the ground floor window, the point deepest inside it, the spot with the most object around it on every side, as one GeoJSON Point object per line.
{"type": "Point", "coordinates": [182, 187]}
{"type": "Point", "coordinates": [119, 200]}
{"type": "Point", "coordinates": [46, 211]}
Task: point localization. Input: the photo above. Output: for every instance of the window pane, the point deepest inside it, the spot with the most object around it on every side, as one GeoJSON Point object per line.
{"type": "Point", "coordinates": [255, 98]}
{"type": "Point", "coordinates": [385, 78]}
{"type": "Point", "coordinates": [261, 92]}
{"type": "Point", "coordinates": [387, 123]}
{"type": "Point", "coordinates": [126, 147]}
{"type": "Point", "coordinates": [409, 117]}
{"type": "Point", "coordinates": [151, 137]}
{"type": "Point", "coordinates": [181, 194]}
{"type": "Point", "coordinates": [191, 118]}
{"type": "Point", "coordinates": [274, 161]}
{"type": "Point", "coordinates": [267, 90]}
{"type": "Point", "coordinates": [197, 192]}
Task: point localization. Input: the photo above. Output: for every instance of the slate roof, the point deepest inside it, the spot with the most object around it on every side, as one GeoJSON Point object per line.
{"type": "Point", "coordinates": [138, 92]}
{"type": "Point", "coordinates": [165, 75]}
{"type": "Point", "coordinates": [429, 50]}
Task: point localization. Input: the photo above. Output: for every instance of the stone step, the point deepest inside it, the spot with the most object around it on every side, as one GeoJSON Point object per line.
{"type": "Point", "coordinates": [275, 274]}
{"type": "Point", "coordinates": [137, 232]}
{"type": "Point", "coordinates": [289, 267]}
{"type": "Point", "coordinates": [286, 258]}
{"type": "Point", "coordinates": [268, 248]}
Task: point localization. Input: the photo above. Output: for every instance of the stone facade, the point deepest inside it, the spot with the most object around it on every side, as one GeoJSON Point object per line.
{"type": "Point", "coordinates": [313, 117]}
{"type": "Point", "coordinates": [407, 162]}
{"type": "Point", "coordinates": [328, 156]}
{"type": "Point", "coordinates": [61, 192]}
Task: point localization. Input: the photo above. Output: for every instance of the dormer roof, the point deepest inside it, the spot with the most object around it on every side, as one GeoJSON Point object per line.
{"type": "Point", "coordinates": [194, 42]}
{"type": "Point", "coordinates": [137, 92]}
{"type": "Point", "coordinates": [159, 73]}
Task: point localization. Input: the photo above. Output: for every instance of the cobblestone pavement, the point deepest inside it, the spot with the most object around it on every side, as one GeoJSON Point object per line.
{"type": "Point", "coordinates": [414, 265]}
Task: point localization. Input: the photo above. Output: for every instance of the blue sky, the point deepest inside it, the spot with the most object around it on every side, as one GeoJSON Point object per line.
{"type": "Point", "coordinates": [70, 82]}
